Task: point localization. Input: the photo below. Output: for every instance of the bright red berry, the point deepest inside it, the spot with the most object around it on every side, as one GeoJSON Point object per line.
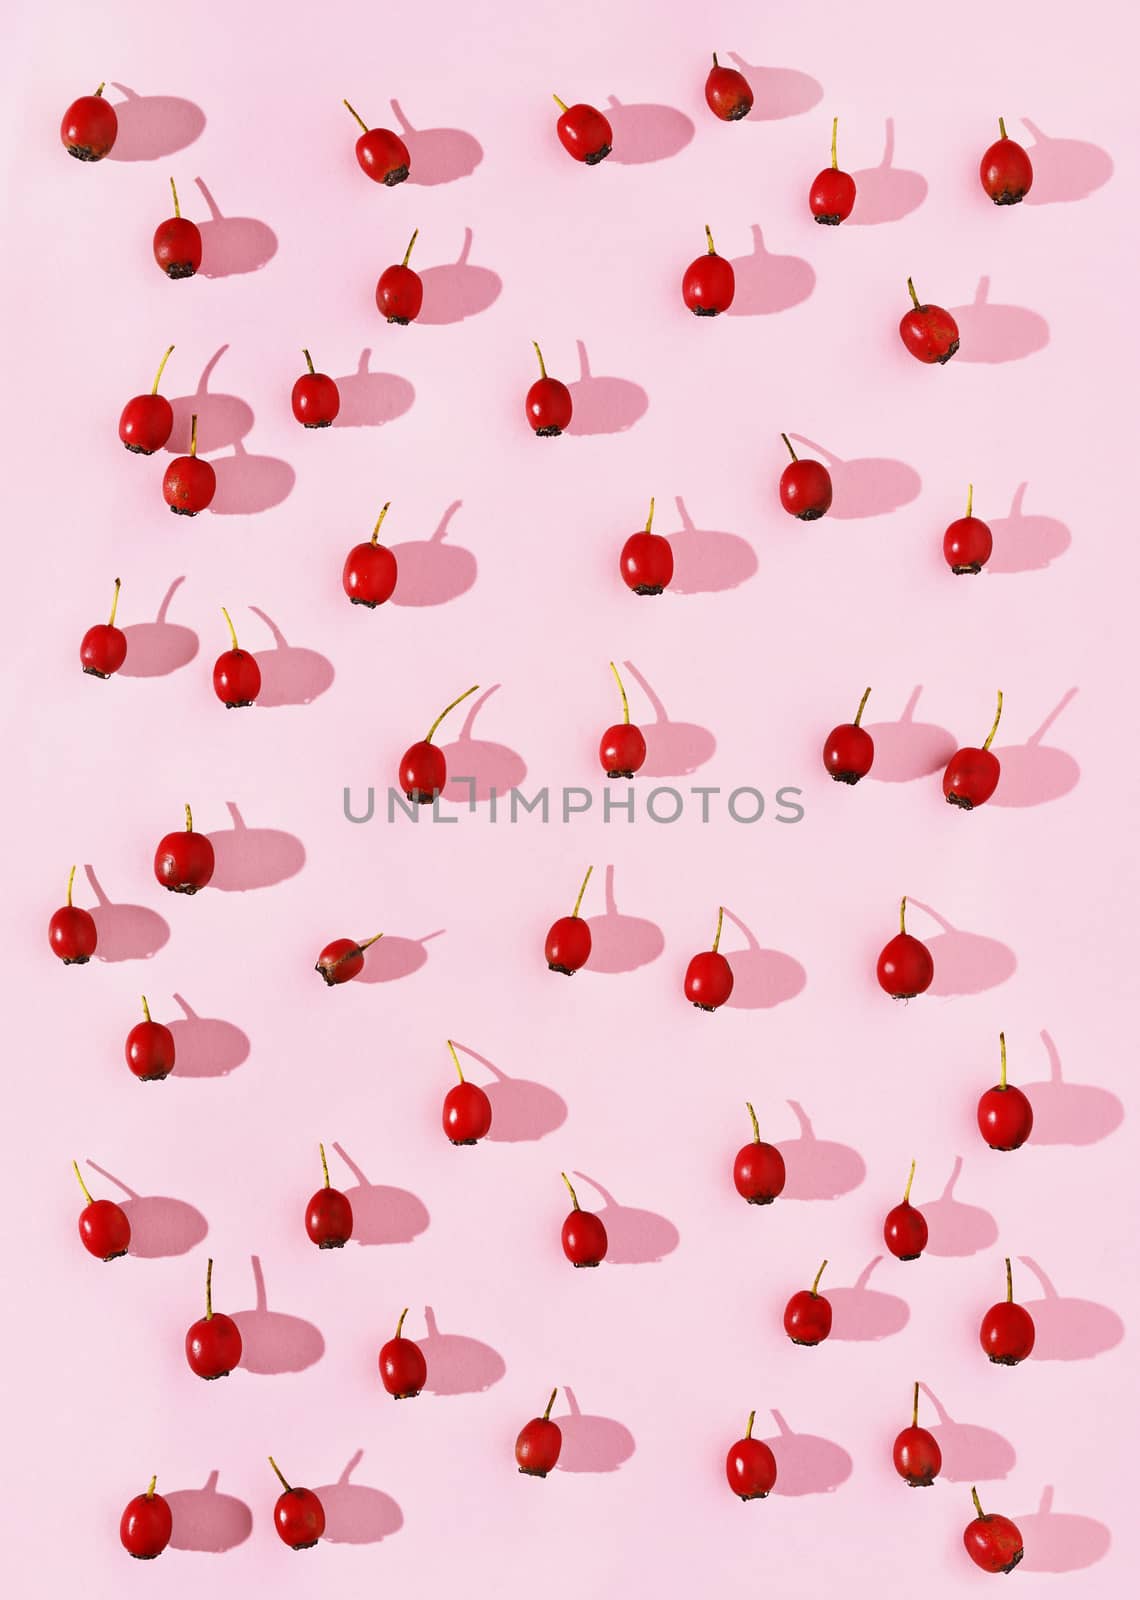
{"type": "Point", "coordinates": [149, 1049]}
{"type": "Point", "coordinates": [967, 543]}
{"type": "Point", "coordinates": [328, 1215]}
{"type": "Point", "coordinates": [147, 420]}
{"type": "Point", "coordinates": [370, 570]}
{"type": "Point", "coordinates": [751, 1466]}
{"type": "Point", "coordinates": [972, 775]}
{"type": "Point", "coordinates": [1006, 170]}
{"type": "Point", "coordinates": [237, 676]}
{"type": "Point", "coordinates": [104, 1228]}
{"type": "Point", "coordinates": [584, 132]}
{"type": "Point", "coordinates": [832, 195]}
{"type": "Point", "coordinates": [905, 967]}
{"type": "Point", "coordinates": [177, 243]}
{"type": "Point", "coordinates": [146, 1525]}
{"type": "Point", "coordinates": [1007, 1333]}
{"type": "Point", "coordinates": [72, 933]}
{"type": "Point", "coordinates": [539, 1444]}
{"type": "Point", "coordinates": [807, 1315]}
{"type": "Point", "coordinates": [89, 127]}
{"type": "Point", "coordinates": [904, 1229]}
{"type": "Point", "coordinates": [849, 750]}
{"type": "Point", "coordinates": [403, 1369]}
{"type": "Point", "coordinates": [189, 483]}
{"type": "Point", "coordinates": [343, 959]}
{"type": "Point", "coordinates": [315, 398]}
{"type": "Point", "coordinates": [423, 767]}
{"type": "Point", "coordinates": [466, 1108]}
{"type": "Point", "coordinates": [104, 647]}
{"type": "Point", "coordinates": [916, 1454]}
{"type": "Point", "coordinates": [993, 1543]}
{"type": "Point", "coordinates": [1005, 1115]}
{"type": "Point", "coordinates": [805, 486]}
{"type": "Point", "coordinates": [584, 1241]}
{"type": "Point", "coordinates": [400, 290]}
{"type": "Point", "coordinates": [758, 1171]}
{"type": "Point", "coordinates": [213, 1343]}
{"type": "Point", "coordinates": [709, 282]}
{"type": "Point", "coordinates": [622, 749]}
{"type": "Point", "coordinates": [298, 1515]}
{"type": "Point", "coordinates": [184, 862]}
{"type": "Point", "coordinates": [929, 332]}
{"type": "Point", "coordinates": [548, 403]}
{"type": "Point", "coordinates": [647, 560]}
{"type": "Point", "coordinates": [382, 154]}
{"type": "Point", "coordinates": [568, 943]}
{"type": "Point", "coordinates": [728, 93]}
{"type": "Point", "coordinates": [708, 977]}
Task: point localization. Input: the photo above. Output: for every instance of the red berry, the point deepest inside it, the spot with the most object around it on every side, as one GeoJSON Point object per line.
{"type": "Point", "coordinates": [89, 127]}
{"type": "Point", "coordinates": [758, 1171]}
{"type": "Point", "coordinates": [343, 959]}
{"type": "Point", "coordinates": [568, 943]}
{"type": "Point", "coordinates": [104, 647]}
{"type": "Point", "coordinates": [237, 676]}
{"type": "Point", "coordinates": [647, 560]}
{"type": "Point", "coordinates": [584, 1241]}
{"type": "Point", "coordinates": [972, 775]}
{"type": "Point", "coordinates": [403, 1370]}
{"type": "Point", "coordinates": [805, 487]}
{"type": "Point", "coordinates": [149, 1049]}
{"type": "Point", "coordinates": [708, 977]}
{"type": "Point", "coordinates": [315, 398]}
{"type": "Point", "coordinates": [849, 750]}
{"type": "Point", "coordinates": [584, 132]}
{"type": "Point", "coordinates": [993, 1543]}
{"type": "Point", "coordinates": [751, 1466]}
{"type": "Point", "coordinates": [967, 543]}
{"type": "Point", "coordinates": [709, 282]}
{"type": "Point", "coordinates": [539, 1444]}
{"type": "Point", "coordinates": [423, 767]}
{"type": "Point", "coordinates": [727, 92]}
{"type": "Point", "coordinates": [1007, 1333]}
{"type": "Point", "coordinates": [382, 154]}
{"type": "Point", "coordinates": [189, 482]}
{"type": "Point", "coordinates": [72, 933]}
{"type": "Point", "coordinates": [298, 1515]}
{"type": "Point", "coordinates": [466, 1109]}
{"type": "Point", "coordinates": [904, 1231]}
{"type": "Point", "coordinates": [400, 290]}
{"type": "Point", "coordinates": [184, 862]}
{"type": "Point", "coordinates": [146, 1525]}
{"type": "Point", "coordinates": [1005, 1116]}
{"type": "Point", "coordinates": [548, 403]}
{"type": "Point", "coordinates": [1006, 170]}
{"type": "Point", "coordinates": [807, 1315]}
{"type": "Point", "coordinates": [622, 749]}
{"type": "Point", "coordinates": [916, 1454]}
{"type": "Point", "coordinates": [213, 1343]}
{"type": "Point", "coordinates": [929, 332]}
{"type": "Point", "coordinates": [328, 1216]}
{"type": "Point", "coordinates": [370, 570]}
{"type": "Point", "coordinates": [177, 243]}
{"type": "Point", "coordinates": [147, 421]}
{"type": "Point", "coordinates": [906, 967]}
{"type": "Point", "coordinates": [832, 195]}
{"type": "Point", "coordinates": [104, 1229]}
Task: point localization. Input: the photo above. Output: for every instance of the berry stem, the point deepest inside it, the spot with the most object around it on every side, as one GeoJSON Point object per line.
{"type": "Point", "coordinates": [909, 1181]}
{"type": "Point", "coordinates": [719, 926]}
{"type": "Point", "coordinates": [902, 914]}
{"type": "Point", "coordinates": [70, 882]}
{"type": "Point", "coordinates": [233, 630]}
{"type": "Point", "coordinates": [411, 242]}
{"type": "Point", "coordinates": [709, 237]}
{"type": "Point", "coordinates": [862, 705]}
{"type": "Point", "coordinates": [82, 1185]}
{"type": "Point", "coordinates": [994, 729]}
{"type": "Point", "coordinates": [621, 691]}
{"type": "Point", "coordinates": [1008, 1281]}
{"type": "Point", "coordinates": [573, 1196]}
{"type": "Point", "coordinates": [914, 1412]}
{"type": "Point", "coordinates": [716, 63]}
{"type": "Point", "coordinates": [286, 1486]}
{"type": "Point", "coordinates": [309, 362]}
{"type": "Point", "coordinates": [834, 135]}
{"type": "Point", "coordinates": [455, 1058]}
{"type": "Point", "coordinates": [364, 943]}
{"type": "Point", "coordinates": [649, 523]}
{"type": "Point", "coordinates": [913, 296]}
{"type": "Point", "coordinates": [561, 104]}
{"type": "Point", "coordinates": [970, 501]}
{"type": "Point", "coordinates": [755, 1124]}
{"type": "Point", "coordinates": [1001, 1042]}
{"type": "Point", "coordinates": [99, 91]}
{"type": "Point", "coordinates": [446, 709]}
{"type": "Point", "coordinates": [194, 434]}
{"type": "Point", "coordinates": [357, 115]}
{"type": "Point", "coordinates": [324, 1165]}
{"type": "Point", "coordinates": [818, 1276]}
{"type": "Point", "coordinates": [210, 1290]}
{"type": "Point", "coordinates": [161, 365]}
{"type": "Point", "coordinates": [174, 192]}
{"type": "Point", "coordinates": [150, 1488]}
{"type": "Point", "coordinates": [379, 520]}
{"type": "Point", "coordinates": [581, 892]}
{"type": "Point", "coordinates": [115, 603]}
{"type": "Point", "coordinates": [978, 1505]}
{"type": "Point", "coordinates": [400, 1324]}
{"type": "Point", "coordinates": [751, 1423]}
{"type": "Point", "coordinates": [788, 442]}
{"type": "Point", "coordinates": [189, 821]}
{"type": "Point", "coordinates": [146, 1009]}
{"type": "Point", "coordinates": [541, 362]}
{"type": "Point", "coordinates": [1001, 127]}
{"type": "Point", "coordinates": [549, 1406]}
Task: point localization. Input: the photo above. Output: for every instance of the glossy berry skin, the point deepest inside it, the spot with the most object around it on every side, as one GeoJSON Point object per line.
{"type": "Point", "coordinates": [993, 1543]}
{"type": "Point", "coordinates": [403, 1369]}
{"type": "Point", "coordinates": [369, 576]}
{"type": "Point", "coordinates": [188, 485]}
{"type": "Point", "coordinates": [423, 772]}
{"type": "Point", "coordinates": [708, 980]}
{"type": "Point", "coordinates": [728, 94]}
{"type": "Point", "coordinates": [759, 1172]}
{"type": "Point", "coordinates": [1007, 1333]}
{"type": "Point", "coordinates": [585, 134]}
{"type": "Point", "coordinates": [622, 750]}
{"type": "Point", "coordinates": [89, 128]}
{"type": "Point", "coordinates": [466, 1113]}
{"type": "Point", "coordinates": [184, 861]}
{"type": "Point", "coordinates": [807, 1318]}
{"type": "Point", "coordinates": [178, 247]}
{"type": "Point", "coordinates": [917, 1457]}
{"type": "Point", "coordinates": [930, 334]}
{"type": "Point", "coordinates": [145, 1526]}
{"type": "Point", "coordinates": [971, 777]}
{"type": "Point", "coordinates": [315, 400]}
{"type": "Point", "coordinates": [709, 284]}
{"type": "Point", "coordinates": [72, 935]}
{"type": "Point", "coordinates": [647, 562]}
{"type": "Point", "coordinates": [548, 407]}
{"type": "Point", "coordinates": [967, 545]}
{"type": "Point", "coordinates": [340, 961]}
{"type": "Point", "coordinates": [905, 1232]}
{"type": "Point", "coordinates": [848, 753]}
{"type": "Point", "coordinates": [383, 156]}
{"type": "Point", "coordinates": [1006, 171]}
{"type": "Point", "coordinates": [299, 1518]}
{"type": "Point", "coordinates": [905, 967]}
{"type": "Point", "coordinates": [237, 678]}
{"type": "Point", "coordinates": [584, 1241]}
{"type": "Point", "coordinates": [1005, 1117]}
{"type": "Point", "coordinates": [568, 945]}
{"type": "Point", "coordinates": [805, 489]}
{"type": "Point", "coordinates": [832, 196]}
{"type": "Point", "coordinates": [213, 1346]}
{"type": "Point", "coordinates": [399, 294]}
{"type": "Point", "coordinates": [149, 1050]}
{"type": "Point", "coordinates": [146, 423]}
{"type": "Point", "coordinates": [105, 1230]}
{"type": "Point", "coordinates": [538, 1447]}
{"type": "Point", "coordinates": [103, 650]}
{"type": "Point", "coordinates": [751, 1469]}
{"type": "Point", "coordinates": [328, 1219]}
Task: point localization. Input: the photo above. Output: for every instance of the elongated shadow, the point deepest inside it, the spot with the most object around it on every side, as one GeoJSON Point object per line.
{"type": "Point", "coordinates": [957, 1229]}
{"type": "Point", "coordinates": [965, 963]}
{"type": "Point", "coordinates": [621, 943]}
{"type": "Point", "coordinates": [233, 245]}
{"type": "Point", "coordinates": [591, 1443]}
{"type": "Point", "coordinates": [645, 133]}
{"type": "Point", "coordinates": [205, 1047]}
{"type": "Point", "coordinates": [224, 420]}
{"type": "Point", "coordinates": [1070, 1113]}
{"type": "Point", "coordinates": [1059, 1541]}
{"type": "Point", "coordinates": [970, 1453]}
{"type": "Point", "coordinates": [635, 1236]}
{"type": "Point", "coordinates": [886, 193]}
{"type": "Point", "coordinates": [761, 978]}
{"type": "Point", "coordinates": [807, 1463]}
{"type": "Point", "coordinates": [863, 1314]}
{"type": "Point", "coordinates": [1064, 170]}
{"type": "Point", "coordinates": [160, 1225]}
{"type": "Point", "coordinates": [818, 1169]}
{"type": "Point", "coordinates": [206, 1520]}
{"type": "Point", "coordinates": [273, 1342]}
{"type": "Point", "coordinates": [1069, 1329]}
{"type": "Point", "coordinates": [152, 126]}
{"type": "Point", "coordinates": [395, 957]}
{"type": "Point", "coordinates": [521, 1109]}
{"type": "Point", "coordinates": [767, 284]}
{"type": "Point", "coordinates": [456, 1363]}
{"type": "Point", "coordinates": [249, 484]}
{"type": "Point", "coordinates": [253, 858]}
{"type": "Point", "coordinates": [291, 675]}
{"type": "Point", "coordinates": [906, 750]}
{"type": "Point", "coordinates": [437, 155]}
{"type": "Point", "coordinates": [1026, 543]}
{"type": "Point", "coordinates": [779, 91]}
{"type": "Point", "coordinates": [431, 572]}
{"type": "Point", "coordinates": [1035, 773]}
{"type": "Point", "coordinates": [458, 290]}
{"type": "Point", "coordinates": [382, 1214]}
{"type": "Point", "coordinates": [672, 749]}
{"type": "Point", "coordinates": [604, 405]}
{"type": "Point", "coordinates": [707, 561]}
{"type": "Point", "coordinates": [993, 333]}
{"type": "Point", "coordinates": [125, 932]}
{"type": "Point", "coordinates": [871, 486]}
{"type": "Point", "coordinates": [371, 399]}
{"type": "Point", "coordinates": [355, 1513]}
{"type": "Point", "coordinates": [156, 649]}
{"type": "Point", "coordinates": [488, 767]}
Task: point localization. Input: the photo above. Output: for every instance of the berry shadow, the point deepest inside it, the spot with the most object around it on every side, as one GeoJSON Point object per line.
{"type": "Point", "coordinates": [778, 92]}
{"type": "Point", "coordinates": [886, 193]}
{"type": "Point", "coordinates": [619, 943]}
{"type": "Point", "coordinates": [645, 133]}
{"type": "Point", "coordinates": [863, 1314]}
{"type": "Point", "coordinates": [160, 1225]}
{"type": "Point", "coordinates": [870, 486]}
{"type": "Point", "coordinates": [291, 675]}
{"type": "Point", "coordinates": [1064, 170]}
{"type": "Point", "coordinates": [382, 1214]}
{"type": "Point", "coordinates": [371, 399]}
{"type": "Point", "coordinates": [125, 932]}
{"type": "Point", "coordinates": [1034, 773]}
{"type": "Point", "coordinates": [672, 749]}
{"type": "Point", "coordinates": [152, 126]}
{"type": "Point", "coordinates": [767, 284]}
{"type": "Point", "coordinates": [635, 1236]}
{"type": "Point", "coordinates": [437, 155]}
{"type": "Point", "coordinates": [994, 333]}
{"type": "Point", "coordinates": [521, 1110]}
{"type": "Point", "coordinates": [1069, 1329]}
{"type": "Point", "coordinates": [207, 1521]}
{"type": "Point", "coordinates": [457, 1364]}
{"type": "Point", "coordinates": [965, 963]}
{"type": "Point", "coordinates": [807, 1463]}
{"type": "Point", "coordinates": [906, 750]}
{"type": "Point", "coordinates": [249, 484]}
{"type": "Point", "coordinates": [253, 858]}
{"type": "Point", "coordinates": [970, 1453]}
{"type": "Point", "coordinates": [591, 1443]}
{"type": "Point", "coordinates": [604, 405]}
{"type": "Point", "coordinates": [232, 245]}
{"type": "Point", "coordinates": [1070, 1113]}
{"type": "Point", "coordinates": [457, 290]}
{"type": "Point", "coordinates": [432, 572]}
{"type": "Point", "coordinates": [205, 1047]}
{"type": "Point", "coordinates": [818, 1169]}
{"type": "Point", "coordinates": [274, 1342]}
{"type": "Point", "coordinates": [224, 420]}
{"type": "Point", "coordinates": [1059, 1541]}
{"type": "Point", "coordinates": [479, 768]}
{"type": "Point", "coordinates": [156, 649]}
{"type": "Point", "coordinates": [356, 1513]}
{"type": "Point", "coordinates": [957, 1229]}
{"type": "Point", "coordinates": [761, 978]}
{"type": "Point", "coordinates": [394, 957]}
{"type": "Point", "coordinates": [1026, 543]}
{"type": "Point", "coordinates": [707, 561]}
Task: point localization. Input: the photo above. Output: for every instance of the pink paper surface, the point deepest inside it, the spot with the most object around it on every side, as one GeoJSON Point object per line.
{"type": "Point", "coordinates": [1028, 904]}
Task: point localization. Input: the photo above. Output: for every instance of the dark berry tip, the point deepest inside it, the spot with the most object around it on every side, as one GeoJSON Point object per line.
{"type": "Point", "coordinates": [76, 961]}
{"type": "Point", "coordinates": [737, 112]}
{"type": "Point", "coordinates": [137, 449]}
{"type": "Point", "coordinates": [420, 797]}
{"type": "Point", "coordinates": [961, 801]}
{"type": "Point", "coordinates": [973, 568]}
{"type": "Point", "coordinates": [397, 175]}
{"type": "Point", "coordinates": [598, 155]}
{"type": "Point", "coordinates": [458, 1142]}
{"type": "Point", "coordinates": [1005, 1361]}
{"type": "Point", "coordinates": [151, 1556]}
{"type": "Point", "coordinates": [236, 705]}
{"type": "Point", "coordinates": [355, 599]}
{"type": "Point", "coordinates": [1014, 1562]}
{"type": "Point", "coordinates": [649, 588]}
{"type": "Point", "coordinates": [93, 672]}
{"type": "Point", "coordinates": [759, 1199]}
{"type": "Point", "coordinates": [83, 152]}
{"type": "Point", "coordinates": [181, 269]}
{"type": "Point", "coordinates": [830, 221]}
{"type": "Point", "coordinates": [953, 351]}
{"type": "Point", "coordinates": [700, 1005]}
{"type": "Point", "coordinates": [568, 972]}
{"type": "Point", "coordinates": [331, 1244]}
{"type": "Point", "coordinates": [310, 1544]}
{"type": "Point", "coordinates": [810, 515]}
{"type": "Point", "coordinates": [847, 777]}
{"type": "Point", "coordinates": [115, 1254]}
{"type": "Point", "coordinates": [579, 1264]}
{"type": "Point", "coordinates": [547, 433]}
{"type": "Point", "coordinates": [1009, 197]}
{"type": "Point", "coordinates": [757, 1494]}
{"type": "Point", "coordinates": [705, 311]}
{"type": "Point", "coordinates": [532, 1472]}
{"type": "Point", "coordinates": [325, 974]}
{"type": "Point", "coordinates": [183, 511]}
{"type": "Point", "coordinates": [401, 322]}
{"type": "Point", "coordinates": [326, 424]}
{"type": "Point", "coordinates": [619, 773]}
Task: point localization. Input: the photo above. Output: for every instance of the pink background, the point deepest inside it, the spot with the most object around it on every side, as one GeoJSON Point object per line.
{"type": "Point", "coordinates": [1026, 903]}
